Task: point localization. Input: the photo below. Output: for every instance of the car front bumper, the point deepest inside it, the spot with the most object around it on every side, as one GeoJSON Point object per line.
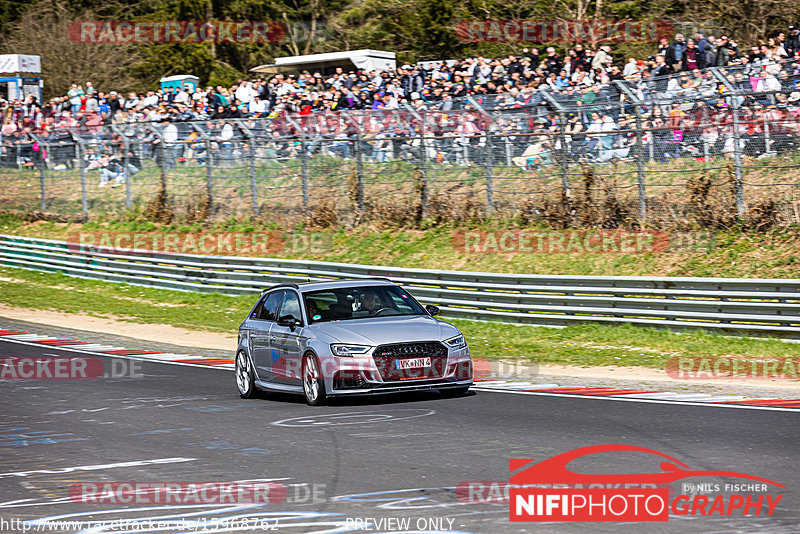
{"type": "Point", "coordinates": [377, 388]}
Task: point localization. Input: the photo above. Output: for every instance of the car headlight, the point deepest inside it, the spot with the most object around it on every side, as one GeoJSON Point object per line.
{"type": "Point", "coordinates": [457, 342]}
{"type": "Point", "coordinates": [342, 349]}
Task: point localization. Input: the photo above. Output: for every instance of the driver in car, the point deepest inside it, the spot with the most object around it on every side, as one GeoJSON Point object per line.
{"type": "Point", "coordinates": [370, 303]}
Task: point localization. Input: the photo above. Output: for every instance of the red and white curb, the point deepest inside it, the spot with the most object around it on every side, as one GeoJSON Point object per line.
{"type": "Point", "coordinates": [502, 386]}
{"type": "Point", "coordinates": [111, 350]}
{"type": "Point", "coordinates": [638, 394]}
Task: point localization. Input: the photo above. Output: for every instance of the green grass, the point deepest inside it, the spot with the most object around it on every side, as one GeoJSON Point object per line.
{"type": "Point", "coordinates": [583, 345]}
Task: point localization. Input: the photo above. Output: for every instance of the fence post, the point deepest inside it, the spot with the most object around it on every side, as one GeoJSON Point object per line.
{"type": "Point", "coordinates": [489, 182]}
{"type": "Point", "coordinates": [42, 151]}
{"type": "Point", "coordinates": [209, 177]}
{"type": "Point", "coordinates": [737, 149]}
{"type": "Point", "coordinates": [163, 150]}
{"type": "Point", "coordinates": [737, 160]}
{"type": "Point", "coordinates": [360, 170]}
{"type": "Point", "coordinates": [253, 188]}
{"type": "Point", "coordinates": [423, 193]}
{"type": "Point", "coordinates": [767, 143]}
{"type": "Point", "coordinates": [640, 167]}
{"type": "Point", "coordinates": [423, 165]}
{"type": "Point", "coordinates": [42, 186]}
{"type": "Point", "coordinates": [640, 177]}
{"type": "Point", "coordinates": [562, 133]}
{"type": "Point", "coordinates": [304, 170]}
{"type": "Point", "coordinates": [82, 163]}
{"type": "Point", "coordinates": [126, 161]}
{"type": "Point", "coordinates": [251, 138]}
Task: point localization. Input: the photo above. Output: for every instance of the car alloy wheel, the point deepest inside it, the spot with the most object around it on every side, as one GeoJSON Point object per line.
{"type": "Point", "coordinates": [245, 379]}
{"type": "Point", "coordinates": [313, 385]}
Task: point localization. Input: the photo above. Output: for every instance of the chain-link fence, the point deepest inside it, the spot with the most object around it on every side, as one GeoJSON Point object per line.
{"type": "Point", "coordinates": [707, 153]}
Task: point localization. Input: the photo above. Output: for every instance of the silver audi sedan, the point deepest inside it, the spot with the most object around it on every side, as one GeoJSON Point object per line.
{"type": "Point", "coordinates": [348, 337]}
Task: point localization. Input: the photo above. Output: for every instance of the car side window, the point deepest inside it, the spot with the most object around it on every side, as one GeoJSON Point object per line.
{"type": "Point", "coordinates": [291, 306]}
{"type": "Point", "coordinates": [269, 310]}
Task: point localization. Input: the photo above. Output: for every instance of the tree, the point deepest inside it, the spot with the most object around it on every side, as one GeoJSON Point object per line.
{"type": "Point", "coordinates": [43, 30]}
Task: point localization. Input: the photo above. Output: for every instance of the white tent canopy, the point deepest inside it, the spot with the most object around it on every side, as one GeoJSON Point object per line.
{"type": "Point", "coordinates": [365, 59]}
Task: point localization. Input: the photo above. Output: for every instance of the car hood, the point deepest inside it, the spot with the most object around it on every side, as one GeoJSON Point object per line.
{"type": "Point", "coordinates": [380, 330]}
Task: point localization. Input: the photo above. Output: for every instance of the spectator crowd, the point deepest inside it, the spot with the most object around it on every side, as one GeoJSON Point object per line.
{"type": "Point", "coordinates": [674, 84]}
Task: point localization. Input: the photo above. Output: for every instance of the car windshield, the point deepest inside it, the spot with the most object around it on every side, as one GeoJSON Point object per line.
{"type": "Point", "coordinates": [359, 302]}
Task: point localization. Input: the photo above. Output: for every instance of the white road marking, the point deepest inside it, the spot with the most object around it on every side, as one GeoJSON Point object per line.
{"type": "Point", "coordinates": [98, 467]}
{"type": "Point", "coordinates": [623, 398]}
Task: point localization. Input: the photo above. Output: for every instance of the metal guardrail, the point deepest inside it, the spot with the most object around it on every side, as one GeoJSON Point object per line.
{"type": "Point", "coordinates": [755, 306]}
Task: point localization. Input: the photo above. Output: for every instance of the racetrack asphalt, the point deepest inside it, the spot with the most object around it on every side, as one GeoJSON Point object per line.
{"type": "Point", "coordinates": [377, 457]}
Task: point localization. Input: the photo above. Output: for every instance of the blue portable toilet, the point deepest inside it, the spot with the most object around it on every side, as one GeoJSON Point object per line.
{"type": "Point", "coordinates": [180, 80]}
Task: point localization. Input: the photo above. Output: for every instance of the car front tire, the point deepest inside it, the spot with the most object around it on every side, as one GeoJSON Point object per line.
{"type": "Point", "coordinates": [245, 378]}
{"type": "Point", "coordinates": [313, 383]}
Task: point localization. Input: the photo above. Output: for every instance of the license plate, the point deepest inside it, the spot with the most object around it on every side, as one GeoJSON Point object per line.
{"type": "Point", "coordinates": [412, 363]}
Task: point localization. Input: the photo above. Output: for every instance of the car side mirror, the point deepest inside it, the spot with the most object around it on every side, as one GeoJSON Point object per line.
{"type": "Point", "coordinates": [433, 310]}
{"type": "Point", "coordinates": [288, 320]}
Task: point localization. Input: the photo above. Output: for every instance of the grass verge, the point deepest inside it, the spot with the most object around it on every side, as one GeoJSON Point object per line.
{"type": "Point", "coordinates": [582, 345]}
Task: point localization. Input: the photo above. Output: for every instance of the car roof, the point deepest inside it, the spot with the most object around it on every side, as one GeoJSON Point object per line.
{"type": "Point", "coordinates": [333, 284]}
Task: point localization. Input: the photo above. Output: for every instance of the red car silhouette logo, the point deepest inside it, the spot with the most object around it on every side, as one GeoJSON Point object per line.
{"type": "Point", "coordinates": [554, 470]}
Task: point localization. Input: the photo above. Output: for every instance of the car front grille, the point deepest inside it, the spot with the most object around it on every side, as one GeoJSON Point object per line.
{"type": "Point", "coordinates": [386, 356]}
